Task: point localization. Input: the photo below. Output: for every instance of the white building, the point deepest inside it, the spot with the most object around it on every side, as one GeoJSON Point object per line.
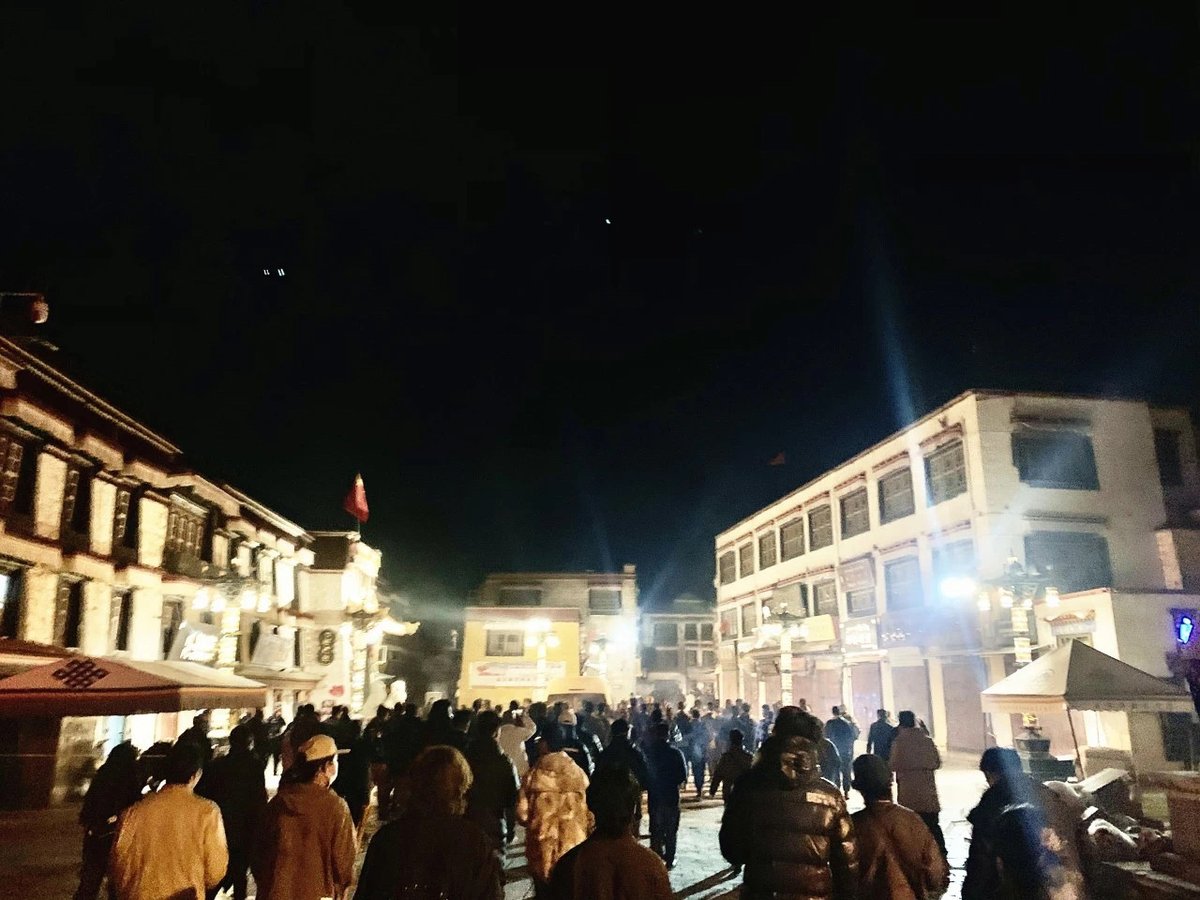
{"type": "Point", "coordinates": [603, 604]}
{"type": "Point", "coordinates": [883, 556]}
{"type": "Point", "coordinates": [679, 651]}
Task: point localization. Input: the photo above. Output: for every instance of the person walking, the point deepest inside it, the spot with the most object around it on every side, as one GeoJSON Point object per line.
{"type": "Point", "coordinates": [611, 864]}
{"type": "Point", "coordinates": [275, 728]}
{"type": "Point", "coordinates": [734, 763]}
{"type": "Point", "coordinates": [697, 751]}
{"type": "Point", "coordinates": [307, 844]}
{"type": "Point", "coordinates": [787, 825]}
{"type": "Point", "coordinates": [667, 773]}
{"type": "Point", "coordinates": [116, 786]}
{"type": "Point", "coordinates": [353, 782]}
{"type": "Point", "coordinates": [880, 735]}
{"type": "Point", "coordinates": [235, 782]}
{"type": "Point", "coordinates": [842, 733]}
{"type": "Point", "coordinates": [513, 734]}
{"type": "Point", "coordinates": [914, 758]}
{"type": "Point", "coordinates": [492, 798]}
{"type": "Point", "coordinates": [622, 753]}
{"type": "Point", "coordinates": [170, 844]}
{"type": "Point", "coordinates": [552, 805]}
{"type": "Point", "coordinates": [897, 855]}
{"type": "Point", "coordinates": [430, 849]}
{"type": "Point", "coordinates": [259, 736]}
{"type": "Point", "coordinates": [198, 735]}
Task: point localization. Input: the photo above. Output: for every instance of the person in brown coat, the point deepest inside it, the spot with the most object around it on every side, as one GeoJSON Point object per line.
{"type": "Point", "coordinates": [611, 864]}
{"type": "Point", "coordinates": [897, 856]}
{"type": "Point", "coordinates": [307, 845]}
{"type": "Point", "coordinates": [914, 759]}
{"type": "Point", "coordinates": [552, 805]}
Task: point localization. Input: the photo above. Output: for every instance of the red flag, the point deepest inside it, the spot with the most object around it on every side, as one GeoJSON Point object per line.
{"type": "Point", "coordinates": [356, 501]}
{"type": "Point", "coordinates": [779, 459]}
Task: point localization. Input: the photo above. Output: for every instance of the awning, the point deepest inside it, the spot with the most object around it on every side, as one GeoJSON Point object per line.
{"type": "Point", "coordinates": [101, 686]}
{"type": "Point", "coordinates": [1076, 676]}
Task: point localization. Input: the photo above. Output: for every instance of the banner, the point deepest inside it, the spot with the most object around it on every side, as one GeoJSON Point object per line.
{"type": "Point", "coordinates": [523, 673]}
{"type": "Point", "coordinates": [196, 642]}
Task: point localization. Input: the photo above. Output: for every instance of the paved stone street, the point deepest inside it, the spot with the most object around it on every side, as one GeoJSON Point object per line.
{"type": "Point", "coordinates": [41, 849]}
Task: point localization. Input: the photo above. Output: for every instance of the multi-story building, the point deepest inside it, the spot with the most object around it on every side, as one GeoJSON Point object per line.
{"type": "Point", "coordinates": [527, 629]}
{"type": "Point", "coordinates": [679, 652]}
{"type": "Point", "coordinates": [111, 547]}
{"type": "Point", "coordinates": [880, 582]}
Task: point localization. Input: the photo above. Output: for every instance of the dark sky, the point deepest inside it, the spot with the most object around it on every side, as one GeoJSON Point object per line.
{"type": "Point", "coordinates": [819, 229]}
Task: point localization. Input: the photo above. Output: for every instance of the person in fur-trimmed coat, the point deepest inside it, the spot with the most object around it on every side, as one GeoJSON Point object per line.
{"type": "Point", "coordinates": [552, 805]}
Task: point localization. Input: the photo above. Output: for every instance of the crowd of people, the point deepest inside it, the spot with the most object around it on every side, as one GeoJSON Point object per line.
{"type": "Point", "coordinates": [452, 785]}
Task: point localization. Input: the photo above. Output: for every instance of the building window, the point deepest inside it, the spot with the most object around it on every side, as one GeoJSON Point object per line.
{"type": "Point", "coordinates": [1166, 451]}
{"type": "Point", "coordinates": [729, 624]}
{"type": "Point", "coordinates": [693, 657]}
{"type": "Point", "coordinates": [297, 648]}
{"type": "Point", "coordinates": [791, 539]}
{"type": "Point", "coordinates": [172, 619]}
{"type": "Point", "coordinates": [505, 643]}
{"type": "Point", "coordinates": [706, 632]}
{"type": "Point", "coordinates": [945, 473]}
{"type": "Point", "coordinates": [690, 632]}
{"type": "Point", "coordinates": [666, 660]}
{"type": "Point", "coordinates": [903, 581]}
{"type": "Point", "coordinates": [727, 568]}
{"type": "Point", "coordinates": [745, 560]}
{"type": "Point", "coordinates": [856, 517]}
{"type": "Point", "coordinates": [68, 613]}
{"type": "Point", "coordinates": [10, 603]}
{"type": "Point", "coordinates": [820, 528]}
{"type": "Point", "coordinates": [604, 600]}
{"type": "Point", "coordinates": [12, 453]}
{"type": "Point", "coordinates": [185, 532]}
{"type": "Point", "coordinates": [1073, 561]}
{"type": "Point", "coordinates": [749, 618]}
{"type": "Point", "coordinates": [709, 659]}
{"type": "Point", "coordinates": [860, 603]}
{"type": "Point", "coordinates": [825, 598]}
{"type": "Point", "coordinates": [896, 495]}
{"type": "Point", "coordinates": [766, 550]}
{"type": "Point", "coordinates": [953, 567]}
{"type": "Point", "coordinates": [665, 634]}
{"type": "Point", "coordinates": [125, 519]}
{"type": "Point", "coordinates": [520, 596]}
{"type": "Point", "coordinates": [1055, 459]}
{"type": "Point", "coordinates": [122, 619]}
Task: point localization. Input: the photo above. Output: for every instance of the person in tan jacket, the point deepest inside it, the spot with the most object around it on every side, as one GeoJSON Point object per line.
{"type": "Point", "coordinates": [897, 855]}
{"type": "Point", "coordinates": [552, 805]}
{"type": "Point", "coordinates": [170, 845]}
{"type": "Point", "coordinates": [914, 759]}
{"type": "Point", "coordinates": [307, 845]}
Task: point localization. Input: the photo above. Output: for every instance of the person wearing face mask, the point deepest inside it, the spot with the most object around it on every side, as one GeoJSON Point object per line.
{"type": "Point", "coordinates": [307, 844]}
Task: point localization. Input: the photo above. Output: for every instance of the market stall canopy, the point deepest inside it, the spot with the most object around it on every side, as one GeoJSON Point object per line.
{"type": "Point", "coordinates": [1076, 676]}
{"type": "Point", "coordinates": [85, 686]}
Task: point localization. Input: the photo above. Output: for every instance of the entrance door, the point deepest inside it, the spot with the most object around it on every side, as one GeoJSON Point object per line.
{"type": "Point", "coordinates": [910, 687]}
{"type": "Point", "coordinates": [867, 688]}
{"type": "Point", "coordinates": [966, 727]}
{"type": "Point", "coordinates": [829, 693]}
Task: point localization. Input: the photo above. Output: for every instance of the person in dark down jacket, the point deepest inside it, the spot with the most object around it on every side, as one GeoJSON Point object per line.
{"type": "Point", "coordinates": [430, 851]}
{"type": "Point", "coordinates": [788, 826]}
{"type": "Point", "coordinates": [611, 864]}
{"type": "Point", "coordinates": [897, 855]}
{"type": "Point", "coordinates": [492, 799]}
{"type": "Point", "coordinates": [117, 785]}
{"type": "Point", "coordinates": [842, 733]}
{"type": "Point", "coordinates": [622, 753]}
{"type": "Point", "coordinates": [439, 727]}
{"type": "Point", "coordinates": [354, 770]}
{"type": "Point", "coordinates": [880, 735]}
{"type": "Point", "coordinates": [235, 783]}
{"type": "Point", "coordinates": [306, 847]}
{"type": "Point", "coordinates": [734, 763]}
{"type": "Point", "coordinates": [667, 772]}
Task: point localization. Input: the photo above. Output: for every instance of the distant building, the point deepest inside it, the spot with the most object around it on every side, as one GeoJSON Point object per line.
{"type": "Point", "coordinates": [679, 651]}
{"type": "Point", "coordinates": [526, 629]}
{"type": "Point", "coordinates": [877, 584]}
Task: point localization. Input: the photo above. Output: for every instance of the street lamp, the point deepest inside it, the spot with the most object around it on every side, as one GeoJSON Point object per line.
{"type": "Point", "coordinates": [786, 627]}
{"type": "Point", "coordinates": [1017, 589]}
{"type": "Point", "coordinates": [539, 634]}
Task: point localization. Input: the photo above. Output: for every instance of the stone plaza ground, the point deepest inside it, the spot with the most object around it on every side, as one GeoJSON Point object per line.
{"type": "Point", "coordinates": [39, 851]}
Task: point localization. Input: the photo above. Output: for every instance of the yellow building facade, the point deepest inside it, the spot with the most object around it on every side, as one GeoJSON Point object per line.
{"type": "Point", "coordinates": [515, 653]}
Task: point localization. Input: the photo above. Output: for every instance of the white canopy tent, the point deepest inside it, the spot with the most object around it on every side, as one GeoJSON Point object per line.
{"type": "Point", "coordinates": [1076, 676]}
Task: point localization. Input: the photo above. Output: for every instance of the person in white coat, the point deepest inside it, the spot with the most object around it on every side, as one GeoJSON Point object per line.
{"type": "Point", "coordinates": [512, 740]}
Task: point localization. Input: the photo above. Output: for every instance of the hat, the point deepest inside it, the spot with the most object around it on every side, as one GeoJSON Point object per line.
{"type": "Point", "coordinates": [872, 775]}
{"type": "Point", "coordinates": [566, 717]}
{"type": "Point", "coordinates": [320, 746]}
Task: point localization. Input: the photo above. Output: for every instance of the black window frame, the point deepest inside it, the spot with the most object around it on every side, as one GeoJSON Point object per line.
{"type": "Point", "coordinates": [820, 517]}
{"type": "Point", "coordinates": [953, 559]}
{"type": "Point", "coordinates": [888, 511]}
{"type": "Point", "coordinates": [767, 541]}
{"type": "Point", "coordinates": [14, 602]}
{"type": "Point", "coordinates": [1168, 455]}
{"type": "Point", "coordinates": [658, 641]}
{"type": "Point", "coordinates": [1041, 462]}
{"type": "Point", "coordinates": [727, 574]}
{"type": "Point", "coordinates": [914, 596]}
{"type": "Point", "coordinates": [604, 608]}
{"type": "Point", "coordinates": [1040, 555]}
{"type": "Point", "coordinates": [787, 531]}
{"type": "Point", "coordinates": [745, 559]}
{"type": "Point", "coordinates": [68, 612]}
{"type": "Point", "coordinates": [123, 615]}
{"type": "Point", "coordinates": [522, 593]}
{"type": "Point", "coordinates": [861, 522]}
{"type": "Point", "coordinates": [855, 608]}
{"type": "Point", "coordinates": [507, 634]}
{"type": "Point", "coordinates": [752, 609]}
{"type": "Point", "coordinates": [825, 600]}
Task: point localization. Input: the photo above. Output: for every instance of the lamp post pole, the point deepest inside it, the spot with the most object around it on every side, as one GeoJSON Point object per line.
{"type": "Point", "coordinates": [789, 627]}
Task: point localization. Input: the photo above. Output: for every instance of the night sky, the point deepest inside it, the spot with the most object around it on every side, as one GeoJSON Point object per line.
{"type": "Point", "coordinates": [816, 230]}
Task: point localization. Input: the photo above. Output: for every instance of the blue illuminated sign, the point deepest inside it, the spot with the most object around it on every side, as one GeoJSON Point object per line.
{"type": "Point", "coordinates": [1184, 627]}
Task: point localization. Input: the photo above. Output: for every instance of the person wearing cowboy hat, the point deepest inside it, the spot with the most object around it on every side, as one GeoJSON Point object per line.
{"type": "Point", "coordinates": [307, 845]}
